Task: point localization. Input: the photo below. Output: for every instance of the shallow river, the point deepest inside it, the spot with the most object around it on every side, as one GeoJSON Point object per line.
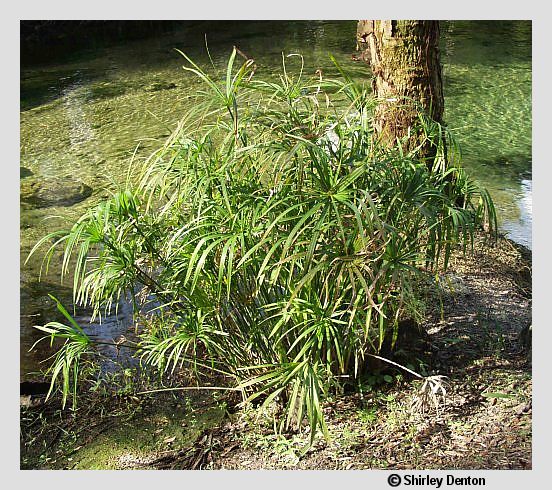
{"type": "Point", "coordinates": [85, 115]}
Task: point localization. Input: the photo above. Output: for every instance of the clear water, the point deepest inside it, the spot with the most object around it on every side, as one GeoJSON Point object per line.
{"type": "Point", "coordinates": [85, 116]}
{"type": "Point", "coordinates": [487, 78]}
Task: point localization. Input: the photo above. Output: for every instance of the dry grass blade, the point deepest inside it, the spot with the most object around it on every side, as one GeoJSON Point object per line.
{"type": "Point", "coordinates": [432, 393]}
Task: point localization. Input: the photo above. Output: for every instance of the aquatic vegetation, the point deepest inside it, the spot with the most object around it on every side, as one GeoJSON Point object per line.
{"type": "Point", "coordinates": [276, 243]}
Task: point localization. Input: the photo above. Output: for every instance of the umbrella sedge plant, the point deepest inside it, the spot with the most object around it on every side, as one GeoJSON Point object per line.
{"type": "Point", "coordinates": [279, 244]}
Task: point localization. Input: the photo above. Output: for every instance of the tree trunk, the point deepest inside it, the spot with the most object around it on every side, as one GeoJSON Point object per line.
{"type": "Point", "coordinates": [405, 62]}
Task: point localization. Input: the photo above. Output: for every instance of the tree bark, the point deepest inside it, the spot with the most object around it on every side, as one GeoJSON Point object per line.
{"type": "Point", "coordinates": [405, 62]}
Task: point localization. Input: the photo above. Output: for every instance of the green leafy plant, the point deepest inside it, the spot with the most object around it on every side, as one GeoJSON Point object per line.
{"type": "Point", "coordinates": [67, 360]}
{"type": "Point", "coordinates": [279, 248]}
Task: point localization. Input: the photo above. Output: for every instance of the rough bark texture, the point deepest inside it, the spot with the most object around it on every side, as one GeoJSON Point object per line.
{"type": "Point", "coordinates": [405, 62]}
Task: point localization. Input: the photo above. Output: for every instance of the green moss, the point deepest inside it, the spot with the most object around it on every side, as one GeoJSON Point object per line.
{"type": "Point", "coordinates": [141, 439]}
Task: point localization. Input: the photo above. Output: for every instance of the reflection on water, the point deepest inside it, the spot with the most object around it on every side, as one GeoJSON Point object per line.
{"type": "Point", "coordinates": [519, 229]}
{"type": "Point", "coordinates": [80, 130]}
{"type": "Point", "coordinates": [83, 118]}
{"type": "Point", "coordinates": [112, 330]}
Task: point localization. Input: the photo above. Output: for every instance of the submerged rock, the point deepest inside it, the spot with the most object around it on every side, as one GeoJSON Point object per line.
{"type": "Point", "coordinates": [157, 86]}
{"type": "Point", "coordinates": [24, 172]}
{"type": "Point", "coordinates": [105, 90]}
{"type": "Point", "coordinates": [54, 192]}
